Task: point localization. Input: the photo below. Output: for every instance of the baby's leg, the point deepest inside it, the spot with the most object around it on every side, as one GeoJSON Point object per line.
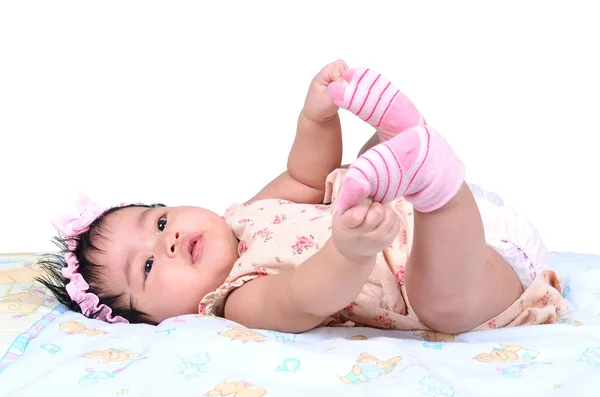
{"type": "Point", "coordinates": [453, 280]}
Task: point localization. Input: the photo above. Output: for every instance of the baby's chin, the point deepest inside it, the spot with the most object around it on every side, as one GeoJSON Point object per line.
{"type": "Point", "coordinates": [219, 256]}
{"type": "Point", "coordinates": [213, 275]}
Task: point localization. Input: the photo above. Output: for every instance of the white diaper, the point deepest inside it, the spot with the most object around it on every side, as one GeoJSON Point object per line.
{"type": "Point", "coordinates": [513, 236]}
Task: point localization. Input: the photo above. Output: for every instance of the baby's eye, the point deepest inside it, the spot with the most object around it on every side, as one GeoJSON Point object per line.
{"type": "Point", "coordinates": [161, 224]}
{"type": "Point", "coordinates": [148, 266]}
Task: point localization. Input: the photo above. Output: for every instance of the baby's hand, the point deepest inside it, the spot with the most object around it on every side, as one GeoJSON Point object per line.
{"type": "Point", "coordinates": [318, 106]}
{"type": "Point", "coordinates": [365, 230]}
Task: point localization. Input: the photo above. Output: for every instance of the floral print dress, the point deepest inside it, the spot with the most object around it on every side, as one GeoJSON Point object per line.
{"type": "Point", "coordinates": [278, 235]}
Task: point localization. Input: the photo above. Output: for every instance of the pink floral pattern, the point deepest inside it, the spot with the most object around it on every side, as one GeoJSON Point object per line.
{"type": "Point", "coordinates": [301, 228]}
{"type": "Point", "coordinates": [400, 275]}
{"type": "Point", "coordinates": [261, 271]}
{"type": "Point", "coordinates": [242, 247]}
{"type": "Point", "coordinates": [265, 234]}
{"type": "Point", "coordinates": [279, 218]}
{"type": "Point", "coordinates": [397, 308]}
{"type": "Point", "coordinates": [545, 299]}
{"type": "Point", "coordinates": [384, 320]}
{"type": "Point", "coordinates": [303, 244]}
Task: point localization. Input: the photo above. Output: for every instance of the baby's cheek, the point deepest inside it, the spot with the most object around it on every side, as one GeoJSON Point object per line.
{"type": "Point", "coordinates": [187, 286]}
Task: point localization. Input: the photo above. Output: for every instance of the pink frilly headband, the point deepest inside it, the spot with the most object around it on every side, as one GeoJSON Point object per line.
{"type": "Point", "coordinates": [71, 226]}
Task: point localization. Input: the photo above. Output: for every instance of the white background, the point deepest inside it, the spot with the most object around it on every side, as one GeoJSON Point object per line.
{"type": "Point", "coordinates": [195, 103]}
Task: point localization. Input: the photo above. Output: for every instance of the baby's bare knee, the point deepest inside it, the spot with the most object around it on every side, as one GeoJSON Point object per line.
{"type": "Point", "coordinates": [448, 318]}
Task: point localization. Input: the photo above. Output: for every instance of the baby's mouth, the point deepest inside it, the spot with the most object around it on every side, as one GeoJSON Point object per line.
{"type": "Point", "coordinates": [195, 248]}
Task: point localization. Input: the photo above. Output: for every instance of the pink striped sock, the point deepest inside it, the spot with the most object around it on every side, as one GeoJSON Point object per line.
{"type": "Point", "coordinates": [375, 100]}
{"type": "Point", "coordinates": [417, 164]}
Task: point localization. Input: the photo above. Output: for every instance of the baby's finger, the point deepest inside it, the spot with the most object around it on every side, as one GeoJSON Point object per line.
{"type": "Point", "coordinates": [355, 216]}
{"type": "Point", "coordinates": [386, 222]}
{"type": "Point", "coordinates": [388, 228]}
{"type": "Point", "coordinates": [341, 68]}
{"type": "Point", "coordinates": [374, 217]}
{"type": "Point", "coordinates": [333, 72]}
{"type": "Point", "coordinates": [393, 228]}
{"type": "Point", "coordinates": [336, 75]}
{"type": "Point", "coordinates": [324, 75]}
{"type": "Point", "coordinates": [341, 64]}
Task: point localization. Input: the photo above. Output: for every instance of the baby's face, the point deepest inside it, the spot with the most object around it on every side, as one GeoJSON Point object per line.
{"type": "Point", "coordinates": [165, 260]}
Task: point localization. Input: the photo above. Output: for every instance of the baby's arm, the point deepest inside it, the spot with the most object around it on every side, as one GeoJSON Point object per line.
{"type": "Point", "coordinates": [300, 299]}
{"type": "Point", "coordinates": [317, 148]}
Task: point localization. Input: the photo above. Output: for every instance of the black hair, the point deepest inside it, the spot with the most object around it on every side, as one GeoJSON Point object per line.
{"type": "Point", "coordinates": [86, 242]}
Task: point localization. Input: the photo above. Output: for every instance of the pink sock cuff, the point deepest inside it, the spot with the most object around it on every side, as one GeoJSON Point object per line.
{"type": "Point", "coordinates": [442, 174]}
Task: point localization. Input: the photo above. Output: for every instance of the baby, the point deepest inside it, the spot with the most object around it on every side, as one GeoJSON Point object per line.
{"type": "Point", "coordinates": [396, 240]}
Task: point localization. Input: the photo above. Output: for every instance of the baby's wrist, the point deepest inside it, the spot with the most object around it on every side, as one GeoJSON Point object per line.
{"type": "Point", "coordinates": [318, 120]}
{"type": "Point", "coordinates": [355, 259]}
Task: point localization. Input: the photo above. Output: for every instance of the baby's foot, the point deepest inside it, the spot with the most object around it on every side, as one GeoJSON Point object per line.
{"type": "Point", "coordinates": [375, 100]}
{"type": "Point", "coordinates": [417, 164]}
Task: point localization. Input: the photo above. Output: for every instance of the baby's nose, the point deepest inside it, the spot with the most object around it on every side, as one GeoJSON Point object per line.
{"type": "Point", "coordinates": [174, 242]}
